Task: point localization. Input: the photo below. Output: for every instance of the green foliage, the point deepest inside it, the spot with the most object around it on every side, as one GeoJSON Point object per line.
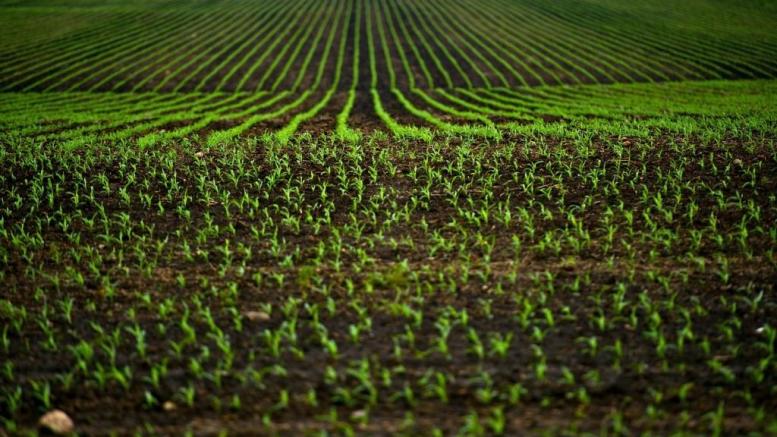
{"type": "Point", "coordinates": [372, 216]}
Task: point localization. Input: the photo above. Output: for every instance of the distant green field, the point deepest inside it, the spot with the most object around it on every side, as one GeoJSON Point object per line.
{"type": "Point", "coordinates": [388, 217]}
{"type": "Point", "coordinates": [350, 66]}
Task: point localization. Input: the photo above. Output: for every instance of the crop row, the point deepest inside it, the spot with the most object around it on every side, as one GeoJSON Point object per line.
{"type": "Point", "coordinates": [259, 45]}
{"type": "Point", "coordinates": [75, 119]}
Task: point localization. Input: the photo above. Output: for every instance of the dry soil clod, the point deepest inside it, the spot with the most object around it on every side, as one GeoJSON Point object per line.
{"type": "Point", "coordinates": [257, 316]}
{"type": "Point", "coordinates": [57, 421]}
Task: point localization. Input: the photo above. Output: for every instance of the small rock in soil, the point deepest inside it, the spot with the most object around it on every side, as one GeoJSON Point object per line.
{"type": "Point", "coordinates": [257, 316]}
{"type": "Point", "coordinates": [57, 422]}
{"type": "Point", "coordinates": [169, 406]}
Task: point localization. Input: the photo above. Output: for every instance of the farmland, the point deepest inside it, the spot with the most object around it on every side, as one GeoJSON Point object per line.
{"type": "Point", "coordinates": [411, 217]}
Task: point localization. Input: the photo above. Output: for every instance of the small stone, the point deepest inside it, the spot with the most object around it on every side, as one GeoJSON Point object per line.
{"type": "Point", "coordinates": [57, 422]}
{"type": "Point", "coordinates": [169, 406]}
{"type": "Point", "coordinates": [199, 154]}
{"type": "Point", "coordinates": [257, 316]}
{"type": "Point", "coordinates": [358, 414]}
{"type": "Point", "coordinates": [738, 162]}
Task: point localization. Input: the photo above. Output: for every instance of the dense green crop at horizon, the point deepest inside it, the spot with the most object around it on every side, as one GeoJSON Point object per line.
{"type": "Point", "coordinates": [223, 69]}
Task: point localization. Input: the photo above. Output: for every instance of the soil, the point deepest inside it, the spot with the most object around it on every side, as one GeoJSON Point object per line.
{"type": "Point", "coordinates": [627, 390]}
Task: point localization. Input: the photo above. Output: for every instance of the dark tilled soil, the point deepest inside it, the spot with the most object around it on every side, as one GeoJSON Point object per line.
{"type": "Point", "coordinates": [503, 294]}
